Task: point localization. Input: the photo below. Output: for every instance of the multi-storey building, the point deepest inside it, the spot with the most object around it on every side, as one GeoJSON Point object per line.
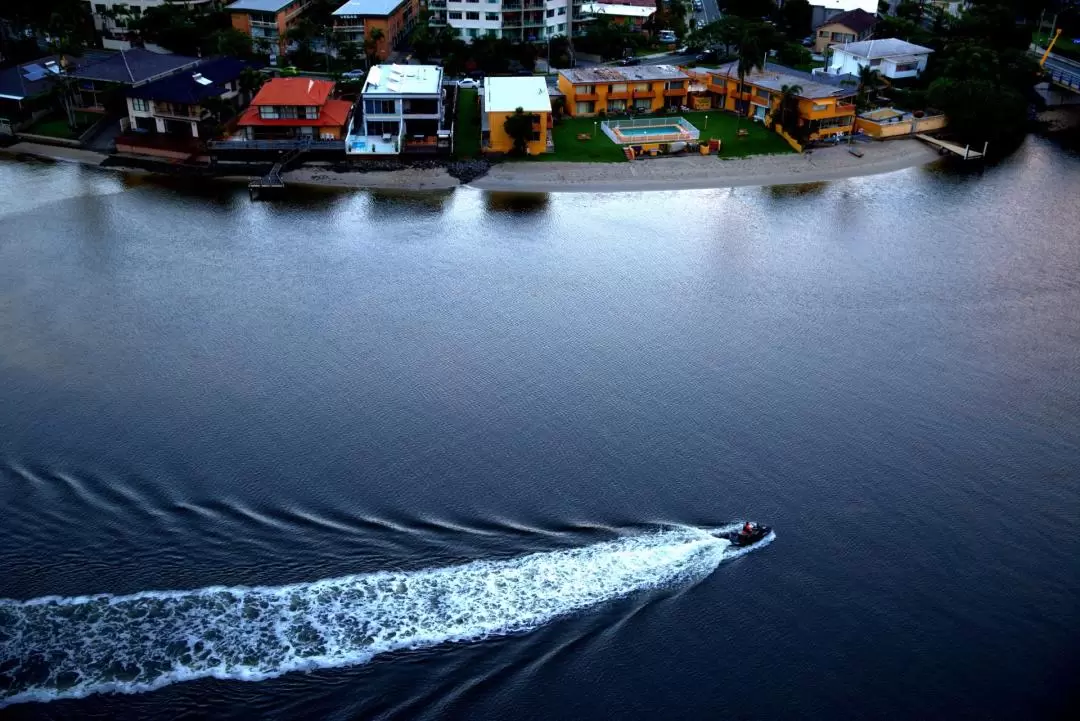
{"type": "Point", "coordinates": [393, 19]}
{"type": "Point", "coordinates": [295, 109]}
{"type": "Point", "coordinates": [643, 89]}
{"type": "Point", "coordinates": [176, 105]}
{"type": "Point", "coordinates": [400, 110]}
{"type": "Point", "coordinates": [518, 20]}
{"type": "Point", "coordinates": [267, 22]}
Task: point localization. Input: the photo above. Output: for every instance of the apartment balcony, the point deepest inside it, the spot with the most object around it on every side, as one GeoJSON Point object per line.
{"type": "Point", "coordinates": [162, 110]}
{"type": "Point", "coordinates": [673, 92]}
{"type": "Point", "coordinates": [718, 88]}
{"type": "Point", "coordinates": [619, 96]}
{"type": "Point", "coordinates": [585, 97]}
{"type": "Point", "coordinates": [436, 3]}
{"type": "Point", "coordinates": [349, 25]}
{"type": "Point", "coordinates": [303, 6]}
{"type": "Point", "coordinates": [533, 5]}
{"type": "Point", "coordinates": [261, 24]}
{"type": "Point", "coordinates": [644, 94]}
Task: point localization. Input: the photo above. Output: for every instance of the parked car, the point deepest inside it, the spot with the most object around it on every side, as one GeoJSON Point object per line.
{"type": "Point", "coordinates": [709, 56]}
{"type": "Point", "coordinates": [354, 74]}
{"type": "Point", "coordinates": [698, 5]}
{"type": "Point", "coordinates": [630, 61]}
{"type": "Point", "coordinates": [468, 83]}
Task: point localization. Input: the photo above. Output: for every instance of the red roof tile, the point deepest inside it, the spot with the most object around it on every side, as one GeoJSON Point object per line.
{"type": "Point", "coordinates": [294, 91]}
{"type": "Point", "coordinates": [332, 115]}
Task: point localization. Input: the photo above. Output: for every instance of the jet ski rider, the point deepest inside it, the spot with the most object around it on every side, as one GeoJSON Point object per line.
{"type": "Point", "coordinates": [747, 529]}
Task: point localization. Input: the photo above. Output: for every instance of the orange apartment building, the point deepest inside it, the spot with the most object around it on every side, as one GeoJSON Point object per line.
{"type": "Point", "coordinates": [827, 109]}
{"type": "Point", "coordinates": [267, 21]}
{"type": "Point", "coordinates": [613, 91]}
{"type": "Point", "coordinates": [356, 19]}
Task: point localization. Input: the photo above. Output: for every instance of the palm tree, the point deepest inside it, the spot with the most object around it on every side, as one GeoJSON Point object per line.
{"type": "Point", "coordinates": [789, 96]}
{"type": "Point", "coordinates": [869, 79]}
{"type": "Point", "coordinates": [371, 45]}
{"type": "Point", "coordinates": [752, 49]}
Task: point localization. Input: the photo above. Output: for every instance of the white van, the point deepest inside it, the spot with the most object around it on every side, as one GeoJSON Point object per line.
{"type": "Point", "coordinates": [666, 36]}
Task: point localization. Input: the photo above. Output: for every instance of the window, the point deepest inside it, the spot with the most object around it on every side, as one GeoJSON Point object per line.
{"type": "Point", "coordinates": [474, 32]}
{"type": "Point", "coordinates": [836, 122]}
{"type": "Point", "coordinates": [618, 88]}
{"type": "Point", "coordinates": [551, 13]}
{"type": "Point", "coordinates": [585, 89]}
{"type": "Point", "coordinates": [99, 8]}
{"type": "Point", "coordinates": [140, 106]}
{"type": "Point", "coordinates": [875, 62]}
{"type": "Point", "coordinates": [585, 107]}
{"type": "Point", "coordinates": [454, 15]}
{"type": "Point", "coordinates": [380, 107]}
{"type": "Point", "coordinates": [762, 94]}
{"type": "Point", "coordinates": [616, 106]}
{"type": "Point", "coordinates": [907, 67]}
{"type": "Point", "coordinates": [491, 16]}
{"type": "Point", "coordinates": [311, 112]}
{"type": "Point", "coordinates": [641, 87]}
{"type": "Point", "coordinates": [823, 33]}
{"type": "Point", "coordinates": [643, 105]}
{"type": "Point", "coordinates": [818, 107]}
{"type": "Point", "coordinates": [562, 11]}
{"type": "Point", "coordinates": [673, 85]}
{"type": "Point", "coordinates": [472, 16]}
{"type": "Point", "coordinates": [536, 135]}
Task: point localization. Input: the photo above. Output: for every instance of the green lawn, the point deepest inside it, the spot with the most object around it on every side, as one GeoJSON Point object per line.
{"type": "Point", "coordinates": [467, 125]}
{"type": "Point", "coordinates": [56, 126]}
{"type": "Point", "coordinates": [760, 141]}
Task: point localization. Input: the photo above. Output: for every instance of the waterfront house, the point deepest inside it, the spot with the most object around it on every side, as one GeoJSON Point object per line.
{"type": "Point", "coordinates": [267, 22]}
{"type": "Point", "coordinates": [300, 109]}
{"type": "Point", "coordinates": [401, 110]}
{"type": "Point", "coordinates": [824, 108]}
{"type": "Point", "coordinates": [502, 98]}
{"type": "Point", "coordinates": [98, 80]}
{"type": "Point", "coordinates": [393, 19]}
{"type": "Point", "coordinates": [177, 105]}
{"type": "Point", "coordinates": [891, 57]}
{"type": "Point", "coordinates": [822, 11]}
{"type": "Point", "coordinates": [25, 88]}
{"type": "Point", "coordinates": [609, 90]}
{"type": "Point", "coordinates": [846, 27]}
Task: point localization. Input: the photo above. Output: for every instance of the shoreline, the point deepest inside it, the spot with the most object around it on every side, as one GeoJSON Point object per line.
{"type": "Point", "coordinates": [653, 174]}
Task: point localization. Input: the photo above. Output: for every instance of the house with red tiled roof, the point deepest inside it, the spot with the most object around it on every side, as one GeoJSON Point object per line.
{"type": "Point", "coordinates": [294, 109]}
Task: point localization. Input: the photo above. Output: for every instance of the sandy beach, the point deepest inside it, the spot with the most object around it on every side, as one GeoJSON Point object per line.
{"type": "Point", "coordinates": [708, 171]}
{"type": "Point", "coordinates": [678, 173]}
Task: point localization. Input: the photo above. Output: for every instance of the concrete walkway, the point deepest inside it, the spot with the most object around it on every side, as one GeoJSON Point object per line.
{"type": "Point", "coordinates": [55, 152]}
{"type": "Point", "coordinates": [707, 171]}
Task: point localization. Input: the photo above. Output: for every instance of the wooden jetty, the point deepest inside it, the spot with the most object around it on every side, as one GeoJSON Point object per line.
{"type": "Point", "coordinates": [272, 183]}
{"type": "Point", "coordinates": [944, 146]}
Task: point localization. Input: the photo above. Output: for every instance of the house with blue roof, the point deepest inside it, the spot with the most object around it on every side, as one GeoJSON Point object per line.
{"type": "Point", "coordinates": [178, 104]}
{"type": "Point", "coordinates": [98, 80]}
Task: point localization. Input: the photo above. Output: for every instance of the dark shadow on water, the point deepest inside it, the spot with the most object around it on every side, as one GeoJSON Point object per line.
{"type": "Point", "coordinates": [516, 203]}
{"type": "Point", "coordinates": [401, 203]}
{"type": "Point", "coordinates": [802, 190]}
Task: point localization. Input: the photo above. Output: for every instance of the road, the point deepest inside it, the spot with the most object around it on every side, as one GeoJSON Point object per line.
{"type": "Point", "coordinates": [709, 13]}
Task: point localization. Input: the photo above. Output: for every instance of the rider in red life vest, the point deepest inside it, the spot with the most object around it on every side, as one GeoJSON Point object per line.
{"type": "Point", "coordinates": [747, 529]}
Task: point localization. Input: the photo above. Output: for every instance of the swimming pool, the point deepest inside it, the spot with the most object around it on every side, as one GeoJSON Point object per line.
{"type": "Point", "coordinates": [657, 130]}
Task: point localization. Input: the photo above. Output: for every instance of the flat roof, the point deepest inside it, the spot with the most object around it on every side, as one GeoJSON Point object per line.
{"type": "Point", "coordinates": [775, 78]}
{"type": "Point", "coordinates": [883, 48]}
{"type": "Point", "coordinates": [403, 80]}
{"type": "Point", "coordinates": [618, 10]}
{"type": "Point", "coordinates": [505, 95]}
{"type": "Point", "coordinates": [368, 7]}
{"type": "Point", "coordinates": [630, 74]}
{"type": "Point", "coordinates": [266, 6]}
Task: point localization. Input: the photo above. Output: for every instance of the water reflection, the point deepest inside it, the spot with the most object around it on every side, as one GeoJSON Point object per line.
{"type": "Point", "coordinates": [396, 203]}
{"type": "Point", "coordinates": [801, 190]}
{"type": "Point", "coordinates": [518, 203]}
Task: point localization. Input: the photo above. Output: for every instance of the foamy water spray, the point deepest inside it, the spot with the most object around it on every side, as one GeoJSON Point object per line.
{"type": "Point", "coordinates": [55, 647]}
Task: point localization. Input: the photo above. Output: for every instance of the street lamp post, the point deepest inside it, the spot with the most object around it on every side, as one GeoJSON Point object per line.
{"type": "Point", "coordinates": [706, 121]}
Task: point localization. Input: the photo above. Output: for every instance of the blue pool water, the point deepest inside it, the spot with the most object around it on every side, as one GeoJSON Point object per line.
{"type": "Point", "coordinates": [657, 130]}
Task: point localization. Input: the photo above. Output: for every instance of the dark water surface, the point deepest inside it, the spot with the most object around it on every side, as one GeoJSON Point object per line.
{"type": "Point", "coordinates": [197, 391]}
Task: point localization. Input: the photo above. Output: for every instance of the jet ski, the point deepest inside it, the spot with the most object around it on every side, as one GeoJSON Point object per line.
{"type": "Point", "coordinates": [746, 537]}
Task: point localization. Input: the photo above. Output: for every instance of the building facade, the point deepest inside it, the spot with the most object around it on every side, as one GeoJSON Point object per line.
{"type": "Point", "coordinates": [501, 98]}
{"type": "Point", "coordinates": [176, 105]}
{"type": "Point", "coordinates": [267, 22]}
{"type": "Point", "coordinates": [612, 91]}
{"type": "Point", "coordinates": [848, 27]}
{"type": "Point", "coordinates": [295, 109]}
{"type": "Point", "coordinates": [392, 19]}
{"type": "Point", "coordinates": [113, 18]}
{"type": "Point", "coordinates": [517, 20]}
{"type": "Point", "coordinates": [891, 57]}
{"type": "Point", "coordinates": [401, 109]}
{"type": "Point", "coordinates": [825, 110]}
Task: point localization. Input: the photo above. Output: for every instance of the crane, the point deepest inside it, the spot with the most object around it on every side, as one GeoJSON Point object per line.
{"type": "Point", "coordinates": [1049, 47]}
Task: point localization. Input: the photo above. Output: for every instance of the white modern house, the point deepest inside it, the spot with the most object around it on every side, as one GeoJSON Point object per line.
{"type": "Point", "coordinates": [401, 110]}
{"type": "Point", "coordinates": [891, 57]}
{"type": "Point", "coordinates": [519, 20]}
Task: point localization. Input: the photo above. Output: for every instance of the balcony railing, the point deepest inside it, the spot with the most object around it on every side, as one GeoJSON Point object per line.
{"type": "Point", "coordinates": [644, 94]}
{"type": "Point", "coordinates": [674, 92]}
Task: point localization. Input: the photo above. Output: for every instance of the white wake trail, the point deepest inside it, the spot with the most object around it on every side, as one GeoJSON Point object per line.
{"type": "Point", "coordinates": [55, 647]}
